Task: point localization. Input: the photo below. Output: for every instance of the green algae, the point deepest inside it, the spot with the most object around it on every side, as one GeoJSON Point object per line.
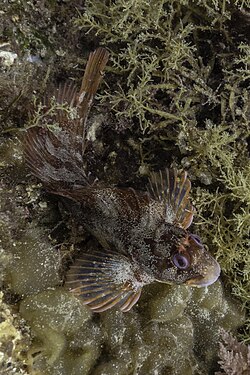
{"type": "Point", "coordinates": [67, 336]}
{"type": "Point", "coordinates": [42, 266]}
{"type": "Point", "coordinates": [177, 93]}
{"type": "Point", "coordinates": [56, 318]}
{"type": "Point", "coordinates": [170, 303]}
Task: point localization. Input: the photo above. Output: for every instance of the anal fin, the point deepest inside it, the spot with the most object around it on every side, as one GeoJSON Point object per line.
{"type": "Point", "coordinates": [104, 280]}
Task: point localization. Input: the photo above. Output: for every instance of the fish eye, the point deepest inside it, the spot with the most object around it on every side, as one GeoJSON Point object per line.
{"type": "Point", "coordinates": [181, 261]}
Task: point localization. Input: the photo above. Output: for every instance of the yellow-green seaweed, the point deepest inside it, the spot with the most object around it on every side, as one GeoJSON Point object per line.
{"type": "Point", "coordinates": [187, 87]}
{"type": "Point", "coordinates": [56, 319]}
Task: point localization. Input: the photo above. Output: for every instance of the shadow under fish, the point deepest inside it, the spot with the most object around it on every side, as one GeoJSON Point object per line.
{"type": "Point", "coordinates": [144, 235]}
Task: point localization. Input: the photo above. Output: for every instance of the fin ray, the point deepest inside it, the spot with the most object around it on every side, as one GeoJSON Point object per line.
{"type": "Point", "coordinates": [108, 286]}
{"type": "Point", "coordinates": [55, 154]}
{"type": "Point", "coordinates": [91, 80]}
{"type": "Point", "coordinates": [131, 301]}
{"type": "Point", "coordinates": [172, 187]}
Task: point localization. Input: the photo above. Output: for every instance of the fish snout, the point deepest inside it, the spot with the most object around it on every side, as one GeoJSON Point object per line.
{"type": "Point", "coordinates": [207, 275]}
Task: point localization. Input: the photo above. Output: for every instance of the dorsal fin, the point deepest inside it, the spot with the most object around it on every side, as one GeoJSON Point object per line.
{"type": "Point", "coordinates": [54, 146]}
{"type": "Point", "coordinates": [56, 106]}
{"type": "Point", "coordinates": [104, 280]}
{"type": "Point", "coordinates": [91, 80]}
{"type": "Point", "coordinates": [82, 99]}
{"type": "Point", "coordinates": [172, 187]}
{"type": "Point", "coordinates": [65, 93]}
{"type": "Point", "coordinates": [55, 158]}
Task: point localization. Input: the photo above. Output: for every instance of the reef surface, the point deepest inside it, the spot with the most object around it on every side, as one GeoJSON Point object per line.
{"type": "Point", "coordinates": [175, 93]}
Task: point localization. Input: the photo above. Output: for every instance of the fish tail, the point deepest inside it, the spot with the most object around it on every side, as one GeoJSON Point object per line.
{"type": "Point", "coordinates": [54, 147]}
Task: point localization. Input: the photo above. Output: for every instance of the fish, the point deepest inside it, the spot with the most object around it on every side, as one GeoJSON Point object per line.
{"type": "Point", "coordinates": [144, 236]}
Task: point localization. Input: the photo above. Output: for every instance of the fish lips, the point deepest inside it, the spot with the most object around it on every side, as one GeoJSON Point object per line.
{"type": "Point", "coordinates": [210, 274]}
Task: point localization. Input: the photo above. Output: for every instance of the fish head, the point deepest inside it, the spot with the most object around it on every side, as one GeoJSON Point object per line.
{"type": "Point", "coordinates": [188, 262]}
{"type": "Point", "coordinates": [204, 269]}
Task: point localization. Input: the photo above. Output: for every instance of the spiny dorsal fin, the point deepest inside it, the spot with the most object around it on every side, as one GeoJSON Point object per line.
{"type": "Point", "coordinates": [57, 106]}
{"type": "Point", "coordinates": [172, 187]}
{"type": "Point", "coordinates": [91, 80]}
{"type": "Point", "coordinates": [51, 158]}
{"type": "Point", "coordinates": [54, 147]}
{"type": "Point", "coordinates": [68, 93]}
{"type": "Point", "coordinates": [104, 280]}
{"type": "Point", "coordinates": [65, 93]}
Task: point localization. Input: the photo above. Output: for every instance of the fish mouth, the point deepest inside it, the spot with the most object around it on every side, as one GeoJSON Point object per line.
{"type": "Point", "coordinates": [208, 278]}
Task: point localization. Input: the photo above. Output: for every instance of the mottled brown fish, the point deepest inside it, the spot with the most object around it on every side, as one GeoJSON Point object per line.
{"type": "Point", "coordinates": [143, 234]}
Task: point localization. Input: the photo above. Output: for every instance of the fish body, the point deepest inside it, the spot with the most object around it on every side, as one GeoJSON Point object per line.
{"type": "Point", "coordinates": [144, 235]}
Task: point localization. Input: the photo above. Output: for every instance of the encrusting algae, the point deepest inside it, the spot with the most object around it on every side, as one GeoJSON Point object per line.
{"type": "Point", "coordinates": [175, 95]}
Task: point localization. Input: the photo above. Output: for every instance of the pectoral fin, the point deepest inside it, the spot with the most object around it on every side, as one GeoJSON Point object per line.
{"type": "Point", "coordinates": [104, 280]}
{"type": "Point", "coordinates": [172, 187]}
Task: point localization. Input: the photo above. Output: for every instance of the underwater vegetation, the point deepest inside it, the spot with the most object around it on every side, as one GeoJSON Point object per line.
{"type": "Point", "coordinates": [187, 88]}
{"type": "Point", "coordinates": [175, 93]}
{"type": "Point", "coordinates": [234, 356]}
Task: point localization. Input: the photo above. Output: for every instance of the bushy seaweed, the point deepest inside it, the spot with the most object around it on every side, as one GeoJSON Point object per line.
{"type": "Point", "coordinates": [234, 356]}
{"type": "Point", "coordinates": [172, 56]}
{"type": "Point", "coordinates": [187, 72]}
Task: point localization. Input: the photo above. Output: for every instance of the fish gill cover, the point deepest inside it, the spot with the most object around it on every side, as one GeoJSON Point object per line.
{"type": "Point", "coordinates": [176, 93]}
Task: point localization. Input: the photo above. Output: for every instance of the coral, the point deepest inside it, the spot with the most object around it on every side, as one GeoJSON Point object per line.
{"type": "Point", "coordinates": [234, 356]}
